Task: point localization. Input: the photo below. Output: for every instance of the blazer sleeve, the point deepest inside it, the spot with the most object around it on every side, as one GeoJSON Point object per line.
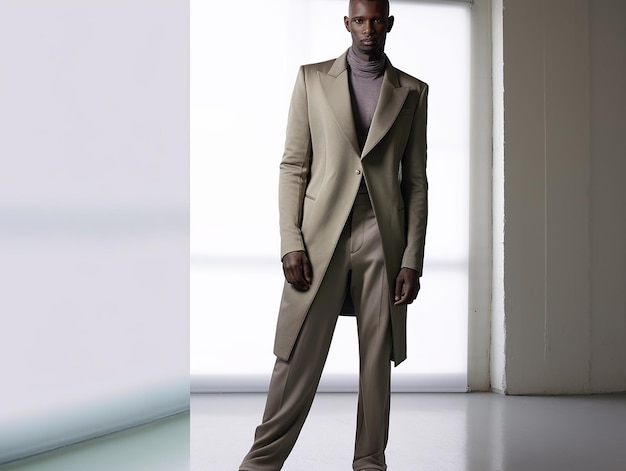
{"type": "Point", "coordinates": [294, 169]}
{"type": "Point", "coordinates": [415, 187]}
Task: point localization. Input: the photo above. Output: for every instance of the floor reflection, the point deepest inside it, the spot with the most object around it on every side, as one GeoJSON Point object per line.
{"type": "Point", "coordinates": [162, 445]}
{"type": "Point", "coordinates": [429, 432]}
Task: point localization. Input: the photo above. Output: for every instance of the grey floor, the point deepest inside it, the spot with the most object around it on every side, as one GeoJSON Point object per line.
{"type": "Point", "coordinates": [429, 432]}
{"type": "Point", "coordinates": [162, 445]}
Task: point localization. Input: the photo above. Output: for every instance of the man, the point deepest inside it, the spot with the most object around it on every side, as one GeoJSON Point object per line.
{"type": "Point", "coordinates": [353, 209]}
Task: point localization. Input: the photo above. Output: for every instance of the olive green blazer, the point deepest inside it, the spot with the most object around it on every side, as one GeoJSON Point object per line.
{"type": "Point", "coordinates": [320, 174]}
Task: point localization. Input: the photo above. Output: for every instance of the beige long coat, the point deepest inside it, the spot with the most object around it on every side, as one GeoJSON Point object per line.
{"type": "Point", "coordinates": [320, 174]}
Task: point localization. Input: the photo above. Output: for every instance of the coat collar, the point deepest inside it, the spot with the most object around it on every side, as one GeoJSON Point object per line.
{"type": "Point", "coordinates": [392, 96]}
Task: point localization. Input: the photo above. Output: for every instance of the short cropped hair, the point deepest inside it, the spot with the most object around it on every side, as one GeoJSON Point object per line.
{"type": "Point", "coordinates": [386, 2]}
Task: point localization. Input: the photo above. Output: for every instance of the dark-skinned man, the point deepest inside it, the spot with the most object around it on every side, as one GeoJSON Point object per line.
{"type": "Point", "coordinates": [353, 210]}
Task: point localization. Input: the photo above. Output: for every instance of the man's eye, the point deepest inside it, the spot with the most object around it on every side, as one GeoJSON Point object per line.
{"type": "Point", "coordinates": [358, 21]}
{"type": "Point", "coordinates": [378, 20]}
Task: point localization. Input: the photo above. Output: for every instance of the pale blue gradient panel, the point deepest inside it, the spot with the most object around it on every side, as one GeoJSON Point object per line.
{"type": "Point", "coordinates": [238, 119]}
{"type": "Point", "coordinates": [162, 445]}
{"type": "Point", "coordinates": [94, 219]}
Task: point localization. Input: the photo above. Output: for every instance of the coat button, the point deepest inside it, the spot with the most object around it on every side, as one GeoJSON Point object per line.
{"type": "Point", "coordinates": [358, 172]}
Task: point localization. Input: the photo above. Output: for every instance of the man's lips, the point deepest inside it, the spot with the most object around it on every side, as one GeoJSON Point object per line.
{"type": "Point", "coordinates": [368, 42]}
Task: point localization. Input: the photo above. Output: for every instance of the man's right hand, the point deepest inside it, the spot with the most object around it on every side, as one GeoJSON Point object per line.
{"type": "Point", "coordinates": [297, 270]}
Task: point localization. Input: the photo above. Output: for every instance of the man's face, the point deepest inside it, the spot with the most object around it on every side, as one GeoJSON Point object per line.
{"type": "Point", "coordinates": [368, 23]}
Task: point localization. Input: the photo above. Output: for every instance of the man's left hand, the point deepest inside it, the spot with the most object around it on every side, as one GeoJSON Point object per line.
{"type": "Point", "coordinates": [407, 286]}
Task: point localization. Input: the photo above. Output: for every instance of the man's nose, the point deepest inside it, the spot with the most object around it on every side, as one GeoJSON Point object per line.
{"type": "Point", "coordinates": [367, 28]}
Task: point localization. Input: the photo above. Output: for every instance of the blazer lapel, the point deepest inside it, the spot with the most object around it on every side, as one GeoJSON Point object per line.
{"type": "Point", "coordinates": [392, 97]}
{"type": "Point", "coordinates": [337, 91]}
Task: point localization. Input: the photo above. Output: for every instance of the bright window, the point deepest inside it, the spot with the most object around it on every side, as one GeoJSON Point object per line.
{"type": "Point", "coordinates": [244, 59]}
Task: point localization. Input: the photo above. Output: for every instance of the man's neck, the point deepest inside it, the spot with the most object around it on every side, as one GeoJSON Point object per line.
{"type": "Point", "coordinates": [370, 57]}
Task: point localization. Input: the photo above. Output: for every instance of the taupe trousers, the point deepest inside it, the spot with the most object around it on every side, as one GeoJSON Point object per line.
{"type": "Point", "coordinates": [357, 264]}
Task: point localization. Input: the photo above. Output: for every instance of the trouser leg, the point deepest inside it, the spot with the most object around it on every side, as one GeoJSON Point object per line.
{"type": "Point", "coordinates": [294, 382]}
{"type": "Point", "coordinates": [370, 294]}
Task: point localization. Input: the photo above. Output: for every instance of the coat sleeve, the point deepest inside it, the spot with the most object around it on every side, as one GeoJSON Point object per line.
{"type": "Point", "coordinates": [415, 187]}
{"type": "Point", "coordinates": [294, 169]}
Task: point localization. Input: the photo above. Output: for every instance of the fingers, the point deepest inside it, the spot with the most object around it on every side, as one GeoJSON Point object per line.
{"type": "Point", "coordinates": [297, 270]}
{"type": "Point", "coordinates": [407, 287]}
{"type": "Point", "coordinates": [399, 289]}
{"type": "Point", "coordinates": [306, 268]}
{"type": "Point", "coordinates": [404, 298]}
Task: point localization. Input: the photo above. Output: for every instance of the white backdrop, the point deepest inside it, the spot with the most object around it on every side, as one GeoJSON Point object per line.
{"type": "Point", "coordinates": [242, 75]}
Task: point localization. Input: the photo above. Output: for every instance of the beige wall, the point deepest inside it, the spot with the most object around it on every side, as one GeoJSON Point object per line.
{"type": "Point", "coordinates": [559, 275]}
{"type": "Point", "coordinates": [608, 195]}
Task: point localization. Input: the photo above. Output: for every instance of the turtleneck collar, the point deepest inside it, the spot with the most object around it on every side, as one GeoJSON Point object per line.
{"type": "Point", "coordinates": [370, 69]}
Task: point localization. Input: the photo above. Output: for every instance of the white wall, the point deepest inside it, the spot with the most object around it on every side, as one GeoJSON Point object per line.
{"type": "Point", "coordinates": [559, 323]}
{"type": "Point", "coordinates": [497, 352]}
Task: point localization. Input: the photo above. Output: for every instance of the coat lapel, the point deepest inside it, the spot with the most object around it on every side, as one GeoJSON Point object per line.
{"type": "Point", "coordinates": [337, 91]}
{"type": "Point", "coordinates": [392, 97]}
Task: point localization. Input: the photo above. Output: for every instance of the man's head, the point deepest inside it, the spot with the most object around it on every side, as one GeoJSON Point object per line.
{"type": "Point", "coordinates": [368, 23]}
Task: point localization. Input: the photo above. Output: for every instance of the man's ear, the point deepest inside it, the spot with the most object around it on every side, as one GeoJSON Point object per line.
{"type": "Point", "coordinates": [346, 22]}
{"type": "Point", "coordinates": [390, 23]}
